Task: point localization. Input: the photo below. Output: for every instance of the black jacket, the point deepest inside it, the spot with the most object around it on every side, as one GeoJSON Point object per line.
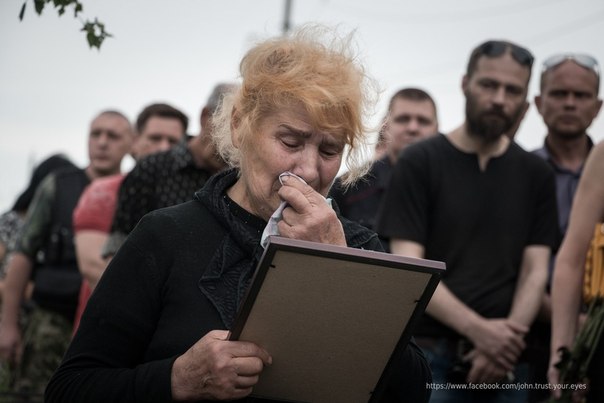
{"type": "Point", "coordinates": [178, 276]}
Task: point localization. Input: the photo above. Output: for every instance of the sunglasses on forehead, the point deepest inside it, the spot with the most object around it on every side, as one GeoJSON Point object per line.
{"type": "Point", "coordinates": [583, 60]}
{"type": "Point", "coordinates": [497, 48]}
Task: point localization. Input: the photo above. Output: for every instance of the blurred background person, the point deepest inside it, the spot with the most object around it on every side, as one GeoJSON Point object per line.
{"type": "Point", "coordinates": [411, 117]}
{"type": "Point", "coordinates": [12, 220]}
{"type": "Point", "coordinates": [159, 127]}
{"type": "Point", "coordinates": [477, 201]}
{"type": "Point", "coordinates": [568, 104]}
{"type": "Point", "coordinates": [587, 211]}
{"type": "Point", "coordinates": [47, 232]}
{"type": "Point", "coordinates": [10, 226]}
{"type": "Point", "coordinates": [167, 178]}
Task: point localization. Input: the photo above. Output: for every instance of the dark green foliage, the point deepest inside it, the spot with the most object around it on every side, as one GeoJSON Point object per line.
{"type": "Point", "coordinates": [95, 30]}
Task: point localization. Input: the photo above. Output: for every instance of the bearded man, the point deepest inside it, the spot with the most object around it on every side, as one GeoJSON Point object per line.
{"type": "Point", "coordinates": [487, 208]}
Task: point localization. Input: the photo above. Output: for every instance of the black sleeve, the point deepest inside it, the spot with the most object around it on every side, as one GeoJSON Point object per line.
{"type": "Point", "coordinates": [135, 197]}
{"type": "Point", "coordinates": [545, 228]}
{"type": "Point", "coordinates": [404, 210]}
{"type": "Point", "coordinates": [337, 194]}
{"type": "Point", "coordinates": [409, 378]}
{"type": "Point", "coordinates": [103, 362]}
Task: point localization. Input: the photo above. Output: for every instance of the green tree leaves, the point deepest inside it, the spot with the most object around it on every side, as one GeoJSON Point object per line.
{"type": "Point", "coordinates": [95, 30]}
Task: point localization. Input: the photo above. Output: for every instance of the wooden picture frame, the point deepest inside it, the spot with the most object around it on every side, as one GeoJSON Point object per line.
{"type": "Point", "coordinates": [331, 317]}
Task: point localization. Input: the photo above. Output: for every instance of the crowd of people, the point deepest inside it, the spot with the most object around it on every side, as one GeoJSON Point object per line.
{"type": "Point", "coordinates": [123, 286]}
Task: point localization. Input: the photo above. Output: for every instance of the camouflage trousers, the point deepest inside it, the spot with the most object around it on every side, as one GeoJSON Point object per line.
{"type": "Point", "coordinates": [45, 339]}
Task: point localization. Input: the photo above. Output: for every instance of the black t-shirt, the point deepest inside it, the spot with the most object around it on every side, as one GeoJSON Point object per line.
{"type": "Point", "coordinates": [477, 222]}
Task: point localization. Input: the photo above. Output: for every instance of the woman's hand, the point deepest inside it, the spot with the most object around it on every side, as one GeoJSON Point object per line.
{"type": "Point", "coordinates": [217, 369]}
{"type": "Point", "coordinates": [308, 216]}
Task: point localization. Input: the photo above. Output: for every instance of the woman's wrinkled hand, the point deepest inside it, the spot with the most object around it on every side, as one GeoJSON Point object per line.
{"type": "Point", "coordinates": [308, 217]}
{"type": "Point", "coordinates": [218, 369]}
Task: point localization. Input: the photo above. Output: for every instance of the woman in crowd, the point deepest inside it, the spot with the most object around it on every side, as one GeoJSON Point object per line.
{"type": "Point", "coordinates": [587, 211]}
{"type": "Point", "coordinates": [155, 328]}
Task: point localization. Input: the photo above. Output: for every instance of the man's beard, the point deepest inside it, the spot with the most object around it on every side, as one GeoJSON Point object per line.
{"type": "Point", "coordinates": [491, 124]}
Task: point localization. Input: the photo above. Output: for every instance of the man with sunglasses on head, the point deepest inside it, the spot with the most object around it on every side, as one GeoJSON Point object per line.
{"type": "Point", "coordinates": [568, 104]}
{"type": "Point", "coordinates": [477, 201]}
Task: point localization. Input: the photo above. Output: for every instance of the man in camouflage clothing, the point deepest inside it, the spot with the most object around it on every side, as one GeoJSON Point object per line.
{"type": "Point", "coordinates": [47, 237]}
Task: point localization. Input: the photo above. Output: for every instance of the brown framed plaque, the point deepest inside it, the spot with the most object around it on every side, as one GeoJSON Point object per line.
{"type": "Point", "coordinates": [331, 317]}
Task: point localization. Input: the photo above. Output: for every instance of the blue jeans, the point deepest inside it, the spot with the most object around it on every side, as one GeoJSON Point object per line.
{"type": "Point", "coordinates": [442, 357]}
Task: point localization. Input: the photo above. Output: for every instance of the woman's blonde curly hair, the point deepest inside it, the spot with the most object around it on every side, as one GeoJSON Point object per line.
{"type": "Point", "coordinates": [315, 68]}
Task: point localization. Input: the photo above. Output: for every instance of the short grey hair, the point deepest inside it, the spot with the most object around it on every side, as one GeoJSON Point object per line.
{"type": "Point", "coordinates": [219, 91]}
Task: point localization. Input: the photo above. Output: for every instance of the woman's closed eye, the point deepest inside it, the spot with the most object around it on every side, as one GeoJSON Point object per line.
{"type": "Point", "coordinates": [290, 143]}
{"type": "Point", "coordinates": [331, 151]}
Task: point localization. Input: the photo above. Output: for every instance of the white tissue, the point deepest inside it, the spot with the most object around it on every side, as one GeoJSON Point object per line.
{"type": "Point", "coordinates": [271, 228]}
